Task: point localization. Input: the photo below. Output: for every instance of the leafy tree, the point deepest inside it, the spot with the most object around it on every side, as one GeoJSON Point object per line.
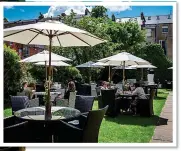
{"type": "Point", "coordinates": [12, 72]}
{"type": "Point", "coordinates": [99, 11]}
{"type": "Point", "coordinates": [125, 36]}
{"type": "Point", "coordinates": [113, 17]}
{"type": "Point", "coordinates": [155, 55]}
{"type": "Point", "coordinates": [5, 20]}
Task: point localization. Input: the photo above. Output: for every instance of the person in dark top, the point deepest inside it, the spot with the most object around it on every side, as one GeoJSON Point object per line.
{"type": "Point", "coordinates": [71, 88]}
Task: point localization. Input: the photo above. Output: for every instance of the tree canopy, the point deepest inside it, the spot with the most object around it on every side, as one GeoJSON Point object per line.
{"type": "Point", "coordinates": [99, 11]}
{"type": "Point", "coordinates": [126, 36]}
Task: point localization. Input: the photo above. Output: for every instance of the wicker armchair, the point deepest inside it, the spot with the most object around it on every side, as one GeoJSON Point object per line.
{"type": "Point", "coordinates": [86, 131]}
{"type": "Point", "coordinates": [84, 103]}
{"type": "Point", "coordinates": [17, 133]}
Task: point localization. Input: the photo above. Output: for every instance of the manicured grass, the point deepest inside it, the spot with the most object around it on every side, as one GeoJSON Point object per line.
{"type": "Point", "coordinates": [126, 128]}
{"type": "Point", "coordinates": [7, 112]}
{"type": "Point", "coordinates": [131, 129]}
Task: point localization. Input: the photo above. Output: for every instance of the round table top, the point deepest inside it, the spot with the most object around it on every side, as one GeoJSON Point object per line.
{"type": "Point", "coordinates": [38, 113]}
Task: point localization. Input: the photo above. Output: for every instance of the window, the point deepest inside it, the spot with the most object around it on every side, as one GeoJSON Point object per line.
{"type": "Point", "coordinates": [148, 32]}
{"type": "Point", "coordinates": [149, 18]}
{"type": "Point", "coordinates": [163, 45]}
{"type": "Point", "coordinates": [169, 16]}
{"type": "Point", "coordinates": [164, 29]}
{"type": "Point", "coordinates": [158, 17]}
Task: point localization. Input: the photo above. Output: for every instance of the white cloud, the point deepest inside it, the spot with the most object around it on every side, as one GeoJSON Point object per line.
{"type": "Point", "coordinates": [22, 10]}
{"type": "Point", "coordinates": [57, 10]}
{"type": "Point", "coordinates": [118, 8]}
{"type": "Point", "coordinates": [9, 7]}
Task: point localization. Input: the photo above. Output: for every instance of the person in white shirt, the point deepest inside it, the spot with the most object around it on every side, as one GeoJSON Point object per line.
{"type": "Point", "coordinates": [140, 94]}
{"type": "Point", "coordinates": [139, 91]}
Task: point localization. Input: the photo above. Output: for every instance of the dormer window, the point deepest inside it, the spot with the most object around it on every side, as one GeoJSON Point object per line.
{"type": "Point", "coordinates": [169, 17]}
{"type": "Point", "coordinates": [158, 17]}
{"type": "Point", "coordinates": [149, 18]}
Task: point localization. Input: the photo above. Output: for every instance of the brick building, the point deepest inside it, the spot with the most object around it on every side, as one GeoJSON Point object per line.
{"type": "Point", "coordinates": [159, 29]}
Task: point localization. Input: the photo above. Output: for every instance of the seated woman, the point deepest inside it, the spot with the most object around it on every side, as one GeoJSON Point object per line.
{"type": "Point", "coordinates": [104, 85]}
{"type": "Point", "coordinates": [71, 88]}
{"type": "Point", "coordinates": [139, 92]}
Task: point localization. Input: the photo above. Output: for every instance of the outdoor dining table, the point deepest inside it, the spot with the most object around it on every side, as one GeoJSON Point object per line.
{"type": "Point", "coordinates": [38, 113]}
{"type": "Point", "coordinates": [123, 101]}
{"type": "Point", "coordinates": [126, 96]}
{"type": "Point", "coordinates": [40, 95]}
{"type": "Point", "coordinates": [43, 93]}
{"type": "Point", "coordinates": [40, 129]}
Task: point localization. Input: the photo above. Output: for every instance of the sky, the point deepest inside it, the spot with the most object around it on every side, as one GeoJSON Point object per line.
{"type": "Point", "coordinates": [14, 13]}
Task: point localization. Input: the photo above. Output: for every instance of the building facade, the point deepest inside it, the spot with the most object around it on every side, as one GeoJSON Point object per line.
{"type": "Point", "coordinates": [159, 29]}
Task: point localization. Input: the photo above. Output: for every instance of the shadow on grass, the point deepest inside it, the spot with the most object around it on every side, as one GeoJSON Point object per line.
{"type": "Point", "coordinates": [159, 98]}
{"type": "Point", "coordinates": [137, 120]}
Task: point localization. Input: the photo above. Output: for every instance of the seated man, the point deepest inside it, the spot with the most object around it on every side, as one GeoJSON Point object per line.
{"type": "Point", "coordinates": [29, 89]}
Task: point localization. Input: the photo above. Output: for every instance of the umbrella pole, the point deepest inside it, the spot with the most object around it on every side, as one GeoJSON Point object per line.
{"type": "Point", "coordinates": [48, 103]}
{"type": "Point", "coordinates": [109, 79]}
{"type": "Point", "coordinates": [46, 70]}
{"type": "Point", "coordinates": [123, 73]}
{"type": "Point", "coordinates": [141, 74]}
{"type": "Point", "coordinates": [90, 75]}
{"type": "Point", "coordinates": [52, 73]}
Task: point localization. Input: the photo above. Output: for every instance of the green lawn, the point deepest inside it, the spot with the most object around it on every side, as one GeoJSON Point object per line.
{"type": "Point", "coordinates": [126, 128]}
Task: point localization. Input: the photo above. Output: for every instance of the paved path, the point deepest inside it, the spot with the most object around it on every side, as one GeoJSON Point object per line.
{"type": "Point", "coordinates": [163, 133]}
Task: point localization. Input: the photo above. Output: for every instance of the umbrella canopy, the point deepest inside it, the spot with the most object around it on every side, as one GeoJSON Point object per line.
{"type": "Point", "coordinates": [50, 33]}
{"type": "Point", "coordinates": [170, 68]}
{"type": "Point", "coordinates": [43, 56]}
{"type": "Point", "coordinates": [144, 66]}
{"type": "Point", "coordinates": [89, 64]}
{"type": "Point", "coordinates": [148, 66]}
{"type": "Point", "coordinates": [124, 59]}
{"type": "Point", "coordinates": [56, 63]}
{"type": "Point", "coordinates": [108, 63]}
{"type": "Point", "coordinates": [40, 33]}
{"type": "Point", "coordinates": [127, 67]}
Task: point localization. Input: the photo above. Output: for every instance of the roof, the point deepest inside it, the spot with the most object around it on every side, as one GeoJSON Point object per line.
{"type": "Point", "coordinates": [149, 19]}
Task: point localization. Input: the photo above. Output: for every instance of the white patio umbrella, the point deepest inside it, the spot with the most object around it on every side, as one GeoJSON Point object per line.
{"type": "Point", "coordinates": [43, 58]}
{"type": "Point", "coordinates": [55, 63]}
{"type": "Point", "coordinates": [90, 65]}
{"type": "Point", "coordinates": [51, 33]}
{"type": "Point", "coordinates": [149, 66]}
{"type": "Point", "coordinates": [107, 64]}
{"type": "Point", "coordinates": [170, 68]}
{"type": "Point", "coordinates": [127, 67]}
{"type": "Point", "coordinates": [124, 59]}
